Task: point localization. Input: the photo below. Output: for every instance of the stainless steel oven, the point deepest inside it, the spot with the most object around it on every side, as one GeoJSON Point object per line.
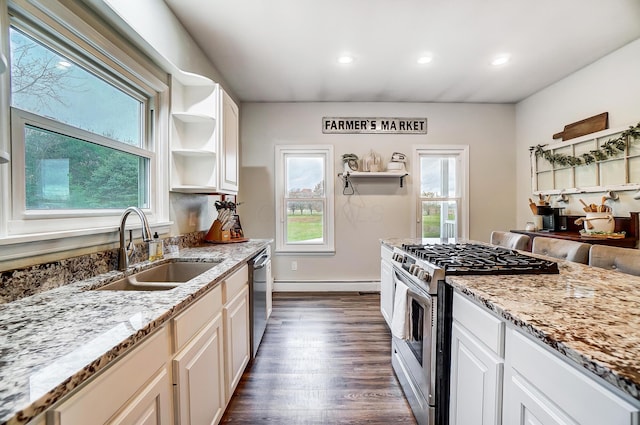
{"type": "Point", "coordinates": [413, 353]}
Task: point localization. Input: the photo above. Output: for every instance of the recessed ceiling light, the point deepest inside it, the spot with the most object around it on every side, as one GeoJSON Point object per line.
{"type": "Point", "coordinates": [63, 64]}
{"type": "Point", "coordinates": [424, 59]}
{"type": "Point", "coordinates": [344, 59]}
{"type": "Point", "coordinates": [500, 60]}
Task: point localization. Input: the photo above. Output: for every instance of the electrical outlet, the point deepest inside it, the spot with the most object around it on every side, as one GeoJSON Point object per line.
{"type": "Point", "coordinates": [294, 265]}
{"type": "Point", "coordinates": [193, 219]}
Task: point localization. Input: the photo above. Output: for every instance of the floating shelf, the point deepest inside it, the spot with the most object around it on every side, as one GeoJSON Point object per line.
{"type": "Point", "coordinates": [190, 118]}
{"type": "Point", "coordinates": [190, 79]}
{"type": "Point", "coordinates": [193, 152]}
{"type": "Point", "coordinates": [381, 174]}
{"type": "Point", "coordinates": [194, 189]}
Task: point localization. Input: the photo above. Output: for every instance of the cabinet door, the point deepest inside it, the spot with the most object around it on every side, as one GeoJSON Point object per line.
{"type": "Point", "coordinates": [540, 384]}
{"type": "Point", "coordinates": [524, 405]}
{"type": "Point", "coordinates": [387, 290]}
{"type": "Point", "coordinates": [476, 380]}
{"type": "Point", "coordinates": [236, 331]}
{"type": "Point", "coordinates": [199, 377]}
{"type": "Point", "coordinates": [119, 387]}
{"type": "Point", "coordinates": [151, 406]}
{"type": "Point", "coordinates": [230, 145]}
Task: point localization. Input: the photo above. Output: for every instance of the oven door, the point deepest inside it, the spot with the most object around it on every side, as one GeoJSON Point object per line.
{"type": "Point", "coordinates": [414, 356]}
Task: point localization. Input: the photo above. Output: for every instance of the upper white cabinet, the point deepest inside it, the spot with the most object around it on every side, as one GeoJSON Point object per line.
{"type": "Point", "coordinates": [204, 136]}
{"type": "Point", "coordinates": [229, 144]}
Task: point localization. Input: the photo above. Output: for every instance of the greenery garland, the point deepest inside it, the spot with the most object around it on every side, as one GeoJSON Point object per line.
{"type": "Point", "coordinates": [611, 147]}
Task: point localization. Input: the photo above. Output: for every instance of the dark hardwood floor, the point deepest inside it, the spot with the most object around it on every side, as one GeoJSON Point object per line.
{"type": "Point", "coordinates": [324, 359]}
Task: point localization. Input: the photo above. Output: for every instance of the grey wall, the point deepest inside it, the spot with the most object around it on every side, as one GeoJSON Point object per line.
{"type": "Point", "coordinates": [381, 209]}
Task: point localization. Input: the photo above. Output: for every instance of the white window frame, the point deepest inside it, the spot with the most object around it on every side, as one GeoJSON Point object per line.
{"type": "Point", "coordinates": [28, 233]}
{"type": "Point", "coordinates": [461, 152]}
{"type": "Point", "coordinates": [281, 152]}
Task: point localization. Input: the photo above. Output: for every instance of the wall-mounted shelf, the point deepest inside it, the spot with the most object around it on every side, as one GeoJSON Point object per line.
{"type": "Point", "coordinates": [617, 173]}
{"type": "Point", "coordinates": [367, 174]}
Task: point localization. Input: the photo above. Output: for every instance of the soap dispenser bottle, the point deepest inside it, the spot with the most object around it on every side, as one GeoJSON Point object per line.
{"type": "Point", "coordinates": [156, 250]}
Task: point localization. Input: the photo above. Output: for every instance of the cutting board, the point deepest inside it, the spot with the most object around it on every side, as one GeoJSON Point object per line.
{"type": "Point", "coordinates": [586, 126]}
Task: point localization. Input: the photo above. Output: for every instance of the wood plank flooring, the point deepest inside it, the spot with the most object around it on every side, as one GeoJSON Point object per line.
{"type": "Point", "coordinates": [324, 359]}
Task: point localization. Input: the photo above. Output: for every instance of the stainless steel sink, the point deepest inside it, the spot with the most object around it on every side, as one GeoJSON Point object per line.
{"type": "Point", "coordinates": [163, 277]}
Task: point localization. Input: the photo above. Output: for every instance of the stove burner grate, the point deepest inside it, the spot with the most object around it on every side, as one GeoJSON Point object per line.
{"type": "Point", "coordinates": [459, 259]}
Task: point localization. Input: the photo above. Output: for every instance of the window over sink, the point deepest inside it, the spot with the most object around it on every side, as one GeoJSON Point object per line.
{"type": "Point", "coordinates": [88, 126]}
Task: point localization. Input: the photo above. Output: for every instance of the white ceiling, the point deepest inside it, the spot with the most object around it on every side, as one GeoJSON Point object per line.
{"type": "Point", "coordinates": [287, 50]}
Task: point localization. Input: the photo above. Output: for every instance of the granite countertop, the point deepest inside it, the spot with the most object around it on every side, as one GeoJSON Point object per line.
{"type": "Point", "coordinates": [589, 315]}
{"type": "Point", "coordinates": [52, 342]}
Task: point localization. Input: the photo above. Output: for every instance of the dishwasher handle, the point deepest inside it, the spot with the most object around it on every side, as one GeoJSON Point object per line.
{"type": "Point", "coordinates": [260, 260]}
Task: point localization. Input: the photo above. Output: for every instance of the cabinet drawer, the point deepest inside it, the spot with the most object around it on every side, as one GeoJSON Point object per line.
{"type": "Point", "coordinates": [109, 392]}
{"type": "Point", "coordinates": [234, 283]}
{"type": "Point", "coordinates": [189, 322]}
{"type": "Point", "coordinates": [579, 396]}
{"type": "Point", "coordinates": [486, 327]}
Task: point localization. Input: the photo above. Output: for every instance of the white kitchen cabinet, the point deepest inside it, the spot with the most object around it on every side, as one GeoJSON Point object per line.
{"type": "Point", "coordinates": [199, 377]}
{"type": "Point", "coordinates": [476, 365]}
{"type": "Point", "coordinates": [194, 137]}
{"type": "Point", "coordinates": [387, 288]}
{"type": "Point", "coordinates": [204, 136]}
{"type": "Point", "coordinates": [500, 375]}
{"type": "Point", "coordinates": [236, 327]}
{"type": "Point", "coordinates": [135, 390]}
{"type": "Point", "coordinates": [150, 405]}
{"type": "Point", "coordinates": [198, 366]}
{"type": "Point", "coordinates": [229, 144]}
{"type": "Point", "coordinates": [542, 388]}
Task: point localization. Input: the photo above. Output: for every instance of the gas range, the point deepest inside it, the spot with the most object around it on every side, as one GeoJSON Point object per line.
{"type": "Point", "coordinates": [422, 314]}
{"type": "Point", "coordinates": [428, 263]}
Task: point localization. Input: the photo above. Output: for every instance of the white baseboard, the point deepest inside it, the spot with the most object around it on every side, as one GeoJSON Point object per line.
{"type": "Point", "coordinates": [326, 286]}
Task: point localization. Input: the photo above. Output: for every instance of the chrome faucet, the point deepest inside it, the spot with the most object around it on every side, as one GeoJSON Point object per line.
{"type": "Point", "coordinates": [125, 253]}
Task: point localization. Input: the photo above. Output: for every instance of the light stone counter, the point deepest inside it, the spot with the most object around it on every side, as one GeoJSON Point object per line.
{"type": "Point", "coordinates": [52, 342]}
{"type": "Point", "coordinates": [589, 315]}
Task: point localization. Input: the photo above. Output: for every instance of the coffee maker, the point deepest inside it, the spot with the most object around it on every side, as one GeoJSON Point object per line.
{"type": "Point", "coordinates": [552, 220]}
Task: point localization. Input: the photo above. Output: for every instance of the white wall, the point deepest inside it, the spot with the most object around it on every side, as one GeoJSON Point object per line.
{"type": "Point", "coordinates": [612, 84]}
{"type": "Point", "coordinates": [381, 209]}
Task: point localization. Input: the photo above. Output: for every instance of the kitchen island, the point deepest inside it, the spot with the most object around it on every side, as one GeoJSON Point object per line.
{"type": "Point", "coordinates": [51, 343]}
{"type": "Point", "coordinates": [588, 316]}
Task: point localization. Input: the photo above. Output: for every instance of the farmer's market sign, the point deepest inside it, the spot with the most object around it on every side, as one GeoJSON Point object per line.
{"type": "Point", "coordinates": [352, 125]}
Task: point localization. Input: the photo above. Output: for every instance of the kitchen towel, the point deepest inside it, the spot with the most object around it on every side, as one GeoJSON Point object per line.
{"type": "Point", "coordinates": [400, 317]}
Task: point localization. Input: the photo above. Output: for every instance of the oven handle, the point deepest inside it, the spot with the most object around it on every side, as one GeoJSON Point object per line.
{"type": "Point", "coordinates": [424, 298]}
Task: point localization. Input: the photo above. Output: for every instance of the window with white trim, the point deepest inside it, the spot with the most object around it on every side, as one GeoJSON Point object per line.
{"type": "Point", "coordinates": [441, 193]}
{"type": "Point", "coordinates": [304, 198]}
{"type": "Point", "coordinates": [85, 126]}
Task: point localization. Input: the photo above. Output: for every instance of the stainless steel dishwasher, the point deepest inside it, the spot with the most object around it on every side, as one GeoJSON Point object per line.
{"type": "Point", "coordinates": [258, 287]}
